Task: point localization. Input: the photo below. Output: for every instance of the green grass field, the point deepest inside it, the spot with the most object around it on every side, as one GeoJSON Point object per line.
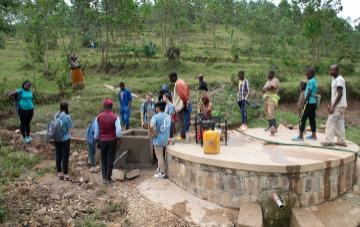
{"type": "Point", "coordinates": [141, 76]}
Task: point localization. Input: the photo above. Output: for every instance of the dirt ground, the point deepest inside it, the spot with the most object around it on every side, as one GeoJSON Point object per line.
{"type": "Point", "coordinates": [43, 200]}
{"type": "Point", "coordinates": [351, 116]}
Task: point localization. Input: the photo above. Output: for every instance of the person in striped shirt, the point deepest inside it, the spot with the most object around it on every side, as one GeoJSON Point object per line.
{"type": "Point", "coordinates": [243, 94]}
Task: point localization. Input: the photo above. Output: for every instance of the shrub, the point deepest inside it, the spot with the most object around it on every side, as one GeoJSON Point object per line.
{"type": "Point", "coordinates": [235, 52]}
{"type": "Point", "coordinates": [149, 49]}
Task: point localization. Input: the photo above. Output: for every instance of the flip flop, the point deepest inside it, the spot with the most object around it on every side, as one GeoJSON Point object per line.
{"type": "Point", "coordinates": [310, 138]}
{"type": "Point", "coordinates": [67, 178]}
{"type": "Point", "coordinates": [297, 139]}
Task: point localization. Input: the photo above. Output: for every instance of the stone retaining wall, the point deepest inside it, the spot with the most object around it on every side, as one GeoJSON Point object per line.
{"type": "Point", "coordinates": [228, 187]}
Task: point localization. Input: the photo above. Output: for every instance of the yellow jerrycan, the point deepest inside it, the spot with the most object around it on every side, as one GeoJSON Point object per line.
{"type": "Point", "coordinates": [211, 142]}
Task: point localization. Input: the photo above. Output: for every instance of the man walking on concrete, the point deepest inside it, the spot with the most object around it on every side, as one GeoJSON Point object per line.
{"type": "Point", "coordinates": [335, 124]}
{"type": "Point", "coordinates": [107, 132]}
{"type": "Point", "coordinates": [125, 100]}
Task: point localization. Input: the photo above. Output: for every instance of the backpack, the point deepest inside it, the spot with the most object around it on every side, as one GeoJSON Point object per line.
{"type": "Point", "coordinates": [54, 129]}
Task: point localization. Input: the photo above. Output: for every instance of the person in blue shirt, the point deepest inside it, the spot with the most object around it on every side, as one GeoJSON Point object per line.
{"type": "Point", "coordinates": [25, 109]}
{"type": "Point", "coordinates": [125, 100]}
{"type": "Point", "coordinates": [90, 134]}
{"type": "Point", "coordinates": [160, 130]}
{"type": "Point", "coordinates": [309, 107]}
{"type": "Point", "coordinates": [62, 147]}
{"type": "Point", "coordinates": [170, 110]}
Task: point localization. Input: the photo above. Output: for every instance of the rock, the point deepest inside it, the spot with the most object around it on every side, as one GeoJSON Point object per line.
{"type": "Point", "coordinates": [81, 163]}
{"type": "Point", "coordinates": [41, 211]}
{"type": "Point", "coordinates": [118, 175]}
{"type": "Point", "coordinates": [88, 186]}
{"type": "Point", "coordinates": [74, 155]}
{"type": "Point", "coordinates": [70, 223]}
{"type": "Point", "coordinates": [95, 169]}
{"type": "Point", "coordinates": [132, 174]}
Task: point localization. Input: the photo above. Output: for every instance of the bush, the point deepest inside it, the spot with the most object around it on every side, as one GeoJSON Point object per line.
{"type": "Point", "coordinates": [149, 49]}
{"type": "Point", "coordinates": [235, 52]}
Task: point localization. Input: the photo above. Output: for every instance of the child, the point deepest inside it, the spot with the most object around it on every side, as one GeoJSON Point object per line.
{"type": "Point", "coordinates": [271, 100]}
{"type": "Point", "coordinates": [170, 110]}
{"type": "Point", "coordinates": [206, 107]}
{"type": "Point", "coordinates": [62, 147]}
{"type": "Point", "coordinates": [147, 110]}
{"type": "Point", "coordinates": [90, 133]}
{"type": "Point", "coordinates": [310, 107]}
{"type": "Point", "coordinates": [243, 95]}
{"type": "Point", "coordinates": [301, 100]}
{"type": "Point", "coordinates": [160, 130]}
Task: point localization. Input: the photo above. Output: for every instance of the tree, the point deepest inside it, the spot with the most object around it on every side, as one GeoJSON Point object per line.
{"type": "Point", "coordinates": [8, 9]}
{"type": "Point", "coordinates": [213, 16]}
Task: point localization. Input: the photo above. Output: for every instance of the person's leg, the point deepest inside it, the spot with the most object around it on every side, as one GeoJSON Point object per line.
{"type": "Point", "coordinates": [266, 112]}
{"type": "Point", "coordinates": [172, 130]}
{"type": "Point", "coordinates": [242, 110]}
{"type": "Point", "coordinates": [91, 154]}
{"type": "Point", "coordinates": [340, 128]}
{"type": "Point", "coordinates": [127, 113]}
{"type": "Point", "coordinates": [271, 112]}
{"type": "Point", "coordinates": [30, 114]}
{"type": "Point", "coordinates": [160, 157]}
{"type": "Point", "coordinates": [303, 119]}
{"type": "Point", "coordinates": [58, 157]}
{"type": "Point", "coordinates": [312, 120]}
{"type": "Point", "coordinates": [181, 116]}
{"type": "Point", "coordinates": [65, 156]}
{"type": "Point", "coordinates": [330, 129]}
{"type": "Point", "coordinates": [111, 159]}
{"type": "Point", "coordinates": [22, 117]}
{"type": "Point", "coordinates": [103, 148]}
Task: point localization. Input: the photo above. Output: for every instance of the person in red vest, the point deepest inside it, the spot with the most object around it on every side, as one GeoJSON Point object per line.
{"type": "Point", "coordinates": [180, 100]}
{"type": "Point", "coordinates": [107, 132]}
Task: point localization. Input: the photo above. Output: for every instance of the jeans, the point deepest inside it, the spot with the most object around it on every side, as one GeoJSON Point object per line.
{"type": "Point", "coordinates": [25, 119]}
{"type": "Point", "coordinates": [309, 112]}
{"type": "Point", "coordinates": [62, 150]}
{"type": "Point", "coordinates": [243, 104]}
{"type": "Point", "coordinates": [108, 152]}
{"type": "Point", "coordinates": [91, 153]}
{"type": "Point", "coordinates": [125, 116]}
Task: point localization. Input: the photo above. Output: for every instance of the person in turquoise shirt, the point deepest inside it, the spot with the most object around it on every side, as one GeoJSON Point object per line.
{"type": "Point", "coordinates": [25, 109]}
{"type": "Point", "coordinates": [62, 148]}
{"type": "Point", "coordinates": [310, 107]}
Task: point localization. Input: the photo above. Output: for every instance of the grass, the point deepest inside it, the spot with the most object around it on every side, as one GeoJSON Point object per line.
{"type": "Point", "coordinates": [13, 164]}
{"type": "Point", "coordinates": [117, 207]}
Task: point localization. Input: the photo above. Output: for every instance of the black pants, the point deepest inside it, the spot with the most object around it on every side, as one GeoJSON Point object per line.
{"type": "Point", "coordinates": [242, 104]}
{"type": "Point", "coordinates": [25, 119]}
{"type": "Point", "coordinates": [181, 121]}
{"type": "Point", "coordinates": [309, 112]}
{"type": "Point", "coordinates": [108, 152]}
{"type": "Point", "coordinates": [62, 150]}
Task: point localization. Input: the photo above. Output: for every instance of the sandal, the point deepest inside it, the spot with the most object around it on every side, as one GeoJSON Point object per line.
{"type": "Point", "coordinates": [67, 178]}
{"type": "Point", "coordinates": [60, 176]}
{"type": "Point", "coordinates": [297, 139]}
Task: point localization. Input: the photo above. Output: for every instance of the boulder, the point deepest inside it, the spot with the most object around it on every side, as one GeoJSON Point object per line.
{"type": "Point", "coordinates": [118, 175]}
{"type": "Point", "coordinates": [132, 174]}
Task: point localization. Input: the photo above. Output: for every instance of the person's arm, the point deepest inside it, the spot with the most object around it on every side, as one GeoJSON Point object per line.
{"type": "Point", "coordinates": [337, 100]}
{"type": "Point", "coordinates": [118, 127]}
{"type": "Point", "coordinates": [130, 99]}
{"type": "Point", "coordinates": [248, 88]}
{"type": "Point", "coordinates": [96, 130]}
{"type": "Point", "coordinates": [13, 93]}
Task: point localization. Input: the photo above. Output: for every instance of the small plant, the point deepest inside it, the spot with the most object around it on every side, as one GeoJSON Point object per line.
{"type": "Point", "coordinates": [118, 207]}
{"type": "Point", "coordinates": [62, 83]}
{"type": "Point", "coordinates": [149, 49]}
{"type": "Point", "coordinates": [235, 52]}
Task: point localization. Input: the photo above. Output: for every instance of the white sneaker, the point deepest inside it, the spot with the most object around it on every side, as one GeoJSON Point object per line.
{"type": "Point", "coordinates": [157, 171]}
{"type": "Point", "coordinates": [160, 175]}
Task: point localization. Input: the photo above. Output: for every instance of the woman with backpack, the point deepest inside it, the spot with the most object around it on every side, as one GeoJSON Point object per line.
{"type": "Point", "coordinates": [62, 146]}
{"type": "Point", "coordinates": [24, 108]}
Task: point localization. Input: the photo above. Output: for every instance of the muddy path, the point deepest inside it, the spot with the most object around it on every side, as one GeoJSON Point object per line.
{"type": "Point", "coordinates": [42, 200]}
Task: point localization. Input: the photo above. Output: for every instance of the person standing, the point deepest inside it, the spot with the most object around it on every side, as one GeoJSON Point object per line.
{"type": "Point", "coordinates": [243, 94]}
{"type": "Point", "coordinates": [125, 100]}
{"type": "Point", "coordinates": [160, 130]}
{"type": "Point", "coordinates": [310, 107]}
{"type": "Point", "coordinates": [170, 110]}
{"type": "Point", "coordinates": [335, 124]}
{"type": "Point", "coordinates": [147, 110]}
{"type": "Point", "coordinates": [202, 90]}
{"type": "Point", "coordinates": [25, 109]}
{"type": "Point", "coordinates": [62, 147]}
{"type": "Point", "coordinates": [164, 89]}
{"type": "Point", "coordinates": [107, 133]}
{"type": "Point", "coordinates": [76, 75]}
{"type": "Point", "coordinates": [271, 100]}
{"type": "Point", "coordinates": [181, 98]}
{"type": "Point", "coordinates": [90, 134]}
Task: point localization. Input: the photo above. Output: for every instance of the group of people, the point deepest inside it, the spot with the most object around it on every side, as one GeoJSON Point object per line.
{"type": "Point", "coordinates": [174, 108]}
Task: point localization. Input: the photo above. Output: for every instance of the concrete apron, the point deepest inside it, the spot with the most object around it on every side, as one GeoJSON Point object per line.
{"type": "Point", "coordinates": [186, 205]}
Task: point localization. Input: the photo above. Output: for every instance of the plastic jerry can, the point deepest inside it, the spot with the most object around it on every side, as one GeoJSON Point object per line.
{"type": "Point", "coordinates": [211, 142]}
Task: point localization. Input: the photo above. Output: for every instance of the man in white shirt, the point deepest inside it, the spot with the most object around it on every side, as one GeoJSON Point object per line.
{"type": "Point", "coordinates": [335, 125]}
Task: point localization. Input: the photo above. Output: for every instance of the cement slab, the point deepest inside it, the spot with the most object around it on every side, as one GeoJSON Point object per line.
{"type": "Point", "coordinates": [250, 215]}
{"type": "Point", "coordinates": [254, 155]}
{"type": "Point", "coordinates": [285, 135]}
{"type": "Point", "coordinates": [186, 205]}
{"type": "Point", "coordinates": [304, 217]}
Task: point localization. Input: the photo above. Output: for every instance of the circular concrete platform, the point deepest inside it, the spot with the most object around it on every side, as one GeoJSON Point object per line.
{"type": "Point", "coordinates": [248, 166]}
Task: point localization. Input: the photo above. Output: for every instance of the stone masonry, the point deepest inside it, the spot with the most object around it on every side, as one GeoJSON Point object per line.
{"type": "Point", "coordinates": [228, 187]}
